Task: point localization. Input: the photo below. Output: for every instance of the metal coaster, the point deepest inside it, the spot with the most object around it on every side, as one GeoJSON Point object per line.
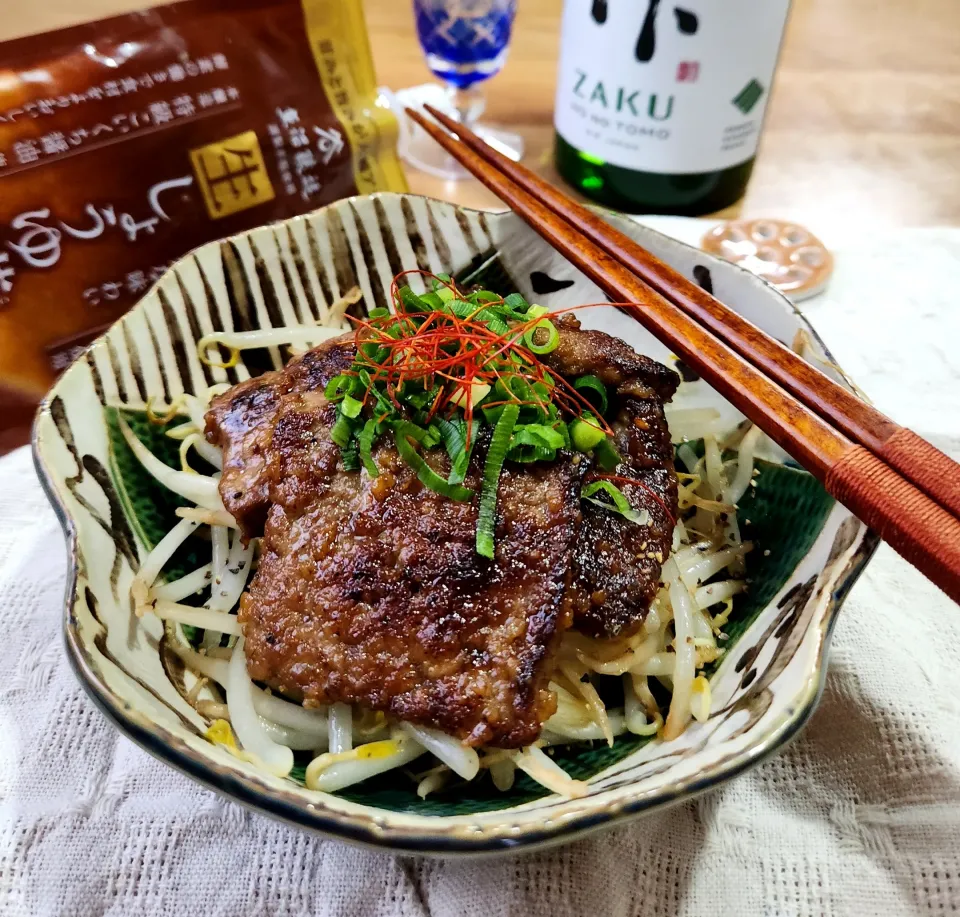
{"type": "Point", "coordinates": [786, 255]}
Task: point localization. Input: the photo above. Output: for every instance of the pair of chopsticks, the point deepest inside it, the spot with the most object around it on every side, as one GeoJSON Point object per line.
{"type": "Point", "coordinates": [896, 482]}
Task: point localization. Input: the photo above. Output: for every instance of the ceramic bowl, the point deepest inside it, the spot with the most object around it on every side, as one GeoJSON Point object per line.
{"type": "Point", "coordinates": [810, 550]}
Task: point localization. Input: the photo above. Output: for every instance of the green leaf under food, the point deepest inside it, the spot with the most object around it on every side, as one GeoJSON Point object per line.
{"type": "Point", "coordinates": [149, 506]}
{"type": "Point", "coordinates": [783, 514]}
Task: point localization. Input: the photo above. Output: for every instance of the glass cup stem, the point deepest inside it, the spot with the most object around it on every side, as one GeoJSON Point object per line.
{"type": "Point", "coordinates": [469, 103]}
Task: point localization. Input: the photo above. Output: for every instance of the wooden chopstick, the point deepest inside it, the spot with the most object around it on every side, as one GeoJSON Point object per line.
{"type": "Point", "coordinates": [921, 531]}
{"type": "Point", "coordinates": [915, 458]}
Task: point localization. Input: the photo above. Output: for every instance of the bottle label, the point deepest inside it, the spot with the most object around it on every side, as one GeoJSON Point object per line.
{"type": "Point", "coordinates": [667, 88]}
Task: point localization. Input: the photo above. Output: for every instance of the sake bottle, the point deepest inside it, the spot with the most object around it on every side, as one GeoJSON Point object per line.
{"type": "Point", "coordinates": [660, 105]}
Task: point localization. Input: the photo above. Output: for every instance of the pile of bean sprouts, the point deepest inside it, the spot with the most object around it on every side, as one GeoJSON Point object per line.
{"type": "Point", "coordinates": [682, 633]}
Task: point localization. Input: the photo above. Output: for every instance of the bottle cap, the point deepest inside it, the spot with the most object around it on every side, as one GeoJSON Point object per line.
{"type": "Point", "coordinates": [784, 254]}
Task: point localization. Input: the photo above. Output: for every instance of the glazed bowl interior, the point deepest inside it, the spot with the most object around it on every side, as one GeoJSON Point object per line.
{"type": "Point", "coordinates": [810, 549]}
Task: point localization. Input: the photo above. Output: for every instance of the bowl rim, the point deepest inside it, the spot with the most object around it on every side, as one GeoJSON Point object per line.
{"type": "Point", "coordinates": [414, 836]}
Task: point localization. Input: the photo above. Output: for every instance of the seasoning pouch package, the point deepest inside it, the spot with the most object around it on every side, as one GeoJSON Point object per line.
{"type": "Point", "coordinates": [126, 143]}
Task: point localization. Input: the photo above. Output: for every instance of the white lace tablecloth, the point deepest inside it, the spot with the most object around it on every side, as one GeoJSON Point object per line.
{"type": "Point", "coordinates": [859, 816]}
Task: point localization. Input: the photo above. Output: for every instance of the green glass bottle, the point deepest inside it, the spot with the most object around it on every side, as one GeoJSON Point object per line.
{"type": "Point", "coordinates": [660, 106]}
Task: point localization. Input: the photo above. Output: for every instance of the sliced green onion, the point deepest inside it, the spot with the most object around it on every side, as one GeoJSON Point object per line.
{"type": "Point", "coordinates": [497, 325]}
{"type": "Point", "coordinates": [446, 294]}
{"type": "Point", "coordinates": [460, 308]}
{"type": "Point", "coordinates": [432, 438]}
{"type": "Point", "coordinates": [516, 302]}
{"type": "Point", "coordinates": [342, 430]}
{"type": "Point", "coordinates": [427, 476]}
{"type": "Point", "coordinates": [381, 312]}
{"type": "Point", "coordinates": [530, 337]}
{"type": "Point", "coordinates": [350, 458]}
{"type": "Point", "coordinates": [485, 296]}
{"type": "Point", "coordinates": [419, 399]}
{"type": "Point", "coordinates": [496, 455]}
{"type": "Point", "coordinates": [494, 414]}
{"type": "Point", "coordinates": [586, 434]}
{"type": "Point", "coordinates": [410, 301]}
{"type": "Point", "coordinates": [365, 439]}
{"type": "Point", "coordinates": [515, 386]}
{"type": "Point", "coordinates": [384, 404]}
{"type": "Point", "coordinates": [535, 443]}
{"type": "Point", "coordinates": [620, 504]}
{"type": "Point", "coordinates": [536, 311]}
{"type": "Point", "coordinates": [594, 391]}
{"type": "Point", "coordinates": [433, 300]}
{"type": "Point", "coordinates": [441, 279]}
{"type": "Point", "coordinates": [543, 392]}
{"type": "Point", "coordinates": [350, 406]}
{"type": "Point", "coordinates": [374, 352]}
{"type": "Point", "coordinates": [606, 454]}
{"type": "Point", "coordinates": [455, 440]}
{"type": "Point", "coordinates": [537, 434]}
{"type": "Point", "coordinates": [339, 386]}
{"type": "Point", "coordinates": [529, 454]}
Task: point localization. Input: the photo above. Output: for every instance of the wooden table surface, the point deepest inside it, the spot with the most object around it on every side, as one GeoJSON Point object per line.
{"type": "Point", "coordinates": [863, 129]}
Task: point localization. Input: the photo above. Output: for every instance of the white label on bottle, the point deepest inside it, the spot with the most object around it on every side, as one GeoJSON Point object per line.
{"type": "Point", "coordinates": [662, 87]}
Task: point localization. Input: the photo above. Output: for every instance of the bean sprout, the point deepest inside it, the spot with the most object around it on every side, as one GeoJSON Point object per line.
{"type": "Point", "coordinates": [341, 728]}
{"type": "Point", "coordinates": [278, 759]}
{"type": "Point", "coordinates": [187, 585]}
{"type": "Point", "coordinates": [196, 487]}
{"type": "Point", "coordinates": [154, 561]}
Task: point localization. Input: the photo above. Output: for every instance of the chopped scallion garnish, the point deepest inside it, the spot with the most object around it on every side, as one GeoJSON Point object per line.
{"type": "Point", "coordinates": [365, 440]}
{"type": "Point", "coordinates": [496, 455]}
{"type": "Point", "coordinates": [617, 503]}
{"type": "Point", "coordinates": [341, 431]}
{"type": "Point", "coordinates": [454, 434]}
{"type": "Point", "coordinates": [350, 457]}
{"type": "Point", "coordinates": [542, 338]}
{"type": "Point", "coordinates": [606, 454]}
{"type": "Point", "coordinates": [350, 406]}
{"type": "Point", "coordinates": [443, 364]}
{"type": "Point", "coordinates": [404, 432]}
{"type": "Point", "coordinates": [339, 386]}
{"type": "Point", "coordinates": [594, 391]}
{"type": "Point", "coordinates": [586, 433]}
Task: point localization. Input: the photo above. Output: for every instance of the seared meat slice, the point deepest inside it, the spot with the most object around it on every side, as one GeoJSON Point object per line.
{"type": "Point", "coordinates": [617, 563]}
{"type": "Point", "coordinates": [376, 595]}
{"type": "Point", "coordinates": [371, 591]}
{"type": "Point", "coordinates": [241, 422]}
{"type": "Point", "coordinates": [614, 362]}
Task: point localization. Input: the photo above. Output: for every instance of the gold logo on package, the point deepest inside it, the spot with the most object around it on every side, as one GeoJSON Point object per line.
{"type": "Point", "coordinates": [231, 175]}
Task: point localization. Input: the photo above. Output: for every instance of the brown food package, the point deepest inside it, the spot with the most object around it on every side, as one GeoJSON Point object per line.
{"type": "Point", "coordinates": [126, 143]}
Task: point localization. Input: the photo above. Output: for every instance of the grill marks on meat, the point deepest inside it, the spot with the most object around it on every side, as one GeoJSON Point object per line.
{"type": "Point", "coordinates": [617, 563]}
{"type": "Point", "coordinates": [371, 591]}
{"type": "Point", "coordinates": [241, 422]}
{"type": "Point", "coordinates": [376, 595]}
